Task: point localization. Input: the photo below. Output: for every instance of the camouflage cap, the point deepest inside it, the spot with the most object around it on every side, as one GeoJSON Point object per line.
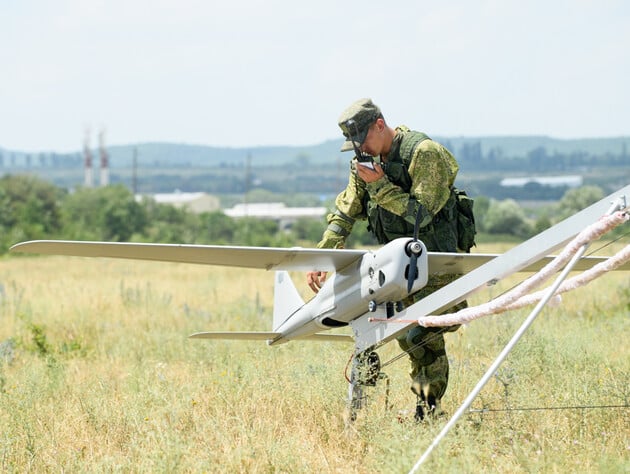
{"type": "Point", "coordinates": [356, 120]}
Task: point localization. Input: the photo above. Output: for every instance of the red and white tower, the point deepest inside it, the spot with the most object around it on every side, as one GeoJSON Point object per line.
{"type": "Point", "coordinates": [104, 159]}
{"type": "Point", "coordinates": [88, 181]}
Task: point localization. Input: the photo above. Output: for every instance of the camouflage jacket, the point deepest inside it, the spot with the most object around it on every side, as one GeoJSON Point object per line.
{"type": "Point", "coordinates": [419, 177]}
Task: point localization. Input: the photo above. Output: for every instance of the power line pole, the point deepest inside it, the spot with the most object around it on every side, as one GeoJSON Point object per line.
{"type": "Point", "coordinates": [248, 164]}
{"type": "Point", "coordinates": [134, 172]}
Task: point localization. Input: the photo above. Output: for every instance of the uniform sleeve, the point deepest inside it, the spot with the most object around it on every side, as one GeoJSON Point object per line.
{"type": "Point", "coordinates": [348, 208]}
{"type": "Point", "coordinates": [432, 170]}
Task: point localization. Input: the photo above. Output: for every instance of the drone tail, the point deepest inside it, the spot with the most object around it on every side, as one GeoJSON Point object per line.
{"type": "Point", "coordinates": [286, 299]}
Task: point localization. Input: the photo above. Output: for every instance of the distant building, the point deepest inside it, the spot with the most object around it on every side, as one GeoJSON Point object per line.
{"type": "Point", "coordinates": [571, 181]}
{"type": "Point", "coordinates": [194, 202]}
{"type": "Point", "coordinates": [276, 211]}
{"type": "Point", "coordinates": [202, 202]}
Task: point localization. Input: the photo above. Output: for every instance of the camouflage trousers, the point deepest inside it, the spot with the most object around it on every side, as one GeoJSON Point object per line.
{"type": "Point", "coordinates": [426, 349]}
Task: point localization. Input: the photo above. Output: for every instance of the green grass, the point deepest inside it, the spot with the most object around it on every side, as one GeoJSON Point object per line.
{"type": "Point", "coordinates": [97, 374]}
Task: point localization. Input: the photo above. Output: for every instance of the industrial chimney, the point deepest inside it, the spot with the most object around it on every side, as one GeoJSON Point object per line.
{"type": "Point", "coordinates": [104, 159]}
{"type": "Point", "coordinates": [87, 160]}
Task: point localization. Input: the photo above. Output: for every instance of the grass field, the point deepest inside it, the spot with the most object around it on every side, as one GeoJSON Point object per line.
{"type": "Point", "coordinates": [97, 374]}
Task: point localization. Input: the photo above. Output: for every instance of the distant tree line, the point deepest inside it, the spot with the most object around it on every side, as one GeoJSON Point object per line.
{"type": "Point", "coordinates": [31, 208]}
{"type": "Point", "coordinates": [9, 160]}
{"type": "Point", "coordinates": [470, 154]}
{"type": "Point", "coordinates": [481, 172]}
{"type": "Point", "coordinates": [527, 192]}
{"type": "Point", "coordinates": [539, 159]}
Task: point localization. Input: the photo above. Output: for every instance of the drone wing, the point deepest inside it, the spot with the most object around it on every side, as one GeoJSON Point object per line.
{"type": "Point", "coordinates": [266, 258]}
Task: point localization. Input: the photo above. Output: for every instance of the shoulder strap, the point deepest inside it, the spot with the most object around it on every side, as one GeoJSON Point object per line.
{"type": "Point", "coordinates": [408, 144]}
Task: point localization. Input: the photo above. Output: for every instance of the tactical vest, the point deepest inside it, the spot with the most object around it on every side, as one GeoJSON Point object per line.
{"type": "Point", "coordinates": [441, 234]}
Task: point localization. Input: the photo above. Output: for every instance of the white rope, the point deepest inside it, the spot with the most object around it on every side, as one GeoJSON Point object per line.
{"type": "Point", "coordinates": [580, 280]}
{"type": "Point", "coordinates": [577, 254]}
{"type": "Point", "coordinates": [518, 296]}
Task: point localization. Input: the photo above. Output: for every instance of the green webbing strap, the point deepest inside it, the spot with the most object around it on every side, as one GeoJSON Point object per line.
{"type": "Point", "coordinates": [337, 229]}
{"type": "Point", "coordinates": [409, 143]}
{"type": "Point", "coordinates": [345, 217]}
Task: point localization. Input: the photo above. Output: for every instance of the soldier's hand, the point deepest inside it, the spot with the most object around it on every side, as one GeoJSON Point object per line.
{"type": "Point", "coordinates": [315, 280]}
{"type": "Point", "coordinates": [370, 174]}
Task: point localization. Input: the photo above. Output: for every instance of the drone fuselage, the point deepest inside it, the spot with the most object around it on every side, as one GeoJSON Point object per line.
{"type": "Point", "coordinates": [379, 277]}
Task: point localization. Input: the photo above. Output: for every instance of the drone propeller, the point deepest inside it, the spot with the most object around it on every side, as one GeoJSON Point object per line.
{"type": "Point", "coordinates": [414, 249]}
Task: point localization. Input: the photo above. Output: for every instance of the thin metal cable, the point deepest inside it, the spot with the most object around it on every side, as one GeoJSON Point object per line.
{"type": "Point", "coordinates": [570, 407]}
{"type": "Point", "coordinates": [607, 244]}
{"type": "Point", "coordinates": [422, 343]}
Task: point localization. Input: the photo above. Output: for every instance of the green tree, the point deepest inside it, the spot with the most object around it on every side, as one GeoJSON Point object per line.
{"type": "Point", "coordinates": [507, 217]}
{"type": "Point", "coordinates": [576, 199]}
{"type": "Point", "coordinates": [29, 209]}
{"type": "Point", "coordinates": [260, 233]}
{"type": "Point", "coordinates": [308, 230]}
{"type": "Point", "coordinates": [110, 213]}
{"type": "Point", "coordinates": [169, 224]}
{"type": "Point", "coordinates": [542, 223]}
{"type": "Point", "coordinates": [217, 228]}
{"type": "Point", "coordinates": [480, 209]}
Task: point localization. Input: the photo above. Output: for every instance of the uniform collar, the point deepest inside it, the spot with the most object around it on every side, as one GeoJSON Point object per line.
{"type": "Point", "coordinates": [394, 151]}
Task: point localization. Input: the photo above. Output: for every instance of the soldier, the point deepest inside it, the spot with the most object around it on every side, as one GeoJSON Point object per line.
{"type": "Point", "coordinates": [399, 176]}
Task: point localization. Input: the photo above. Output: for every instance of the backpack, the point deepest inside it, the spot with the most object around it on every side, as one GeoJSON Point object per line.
{"type": "Point", "coordinates": [465, 219]}
{"type": "Point", "coordinates": [466, 229]}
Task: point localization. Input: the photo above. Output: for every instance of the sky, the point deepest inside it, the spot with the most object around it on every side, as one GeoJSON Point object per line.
{"type": "Point", "coordinates": [280, 72]}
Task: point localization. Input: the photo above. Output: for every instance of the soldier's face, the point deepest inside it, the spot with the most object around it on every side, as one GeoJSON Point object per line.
{"type": "Point", "coordinates": [373, 143]}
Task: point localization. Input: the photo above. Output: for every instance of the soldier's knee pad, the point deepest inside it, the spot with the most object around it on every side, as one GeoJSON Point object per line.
{"type": "Point", "coordinates": [414, 341]}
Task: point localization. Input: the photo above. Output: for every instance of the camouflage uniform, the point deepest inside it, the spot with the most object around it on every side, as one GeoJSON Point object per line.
{"type": "Point", "coordinates": [419, 177]}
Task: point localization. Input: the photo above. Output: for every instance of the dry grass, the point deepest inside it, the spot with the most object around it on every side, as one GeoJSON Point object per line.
{"type": "Point", "coordinates": [103, 378]}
